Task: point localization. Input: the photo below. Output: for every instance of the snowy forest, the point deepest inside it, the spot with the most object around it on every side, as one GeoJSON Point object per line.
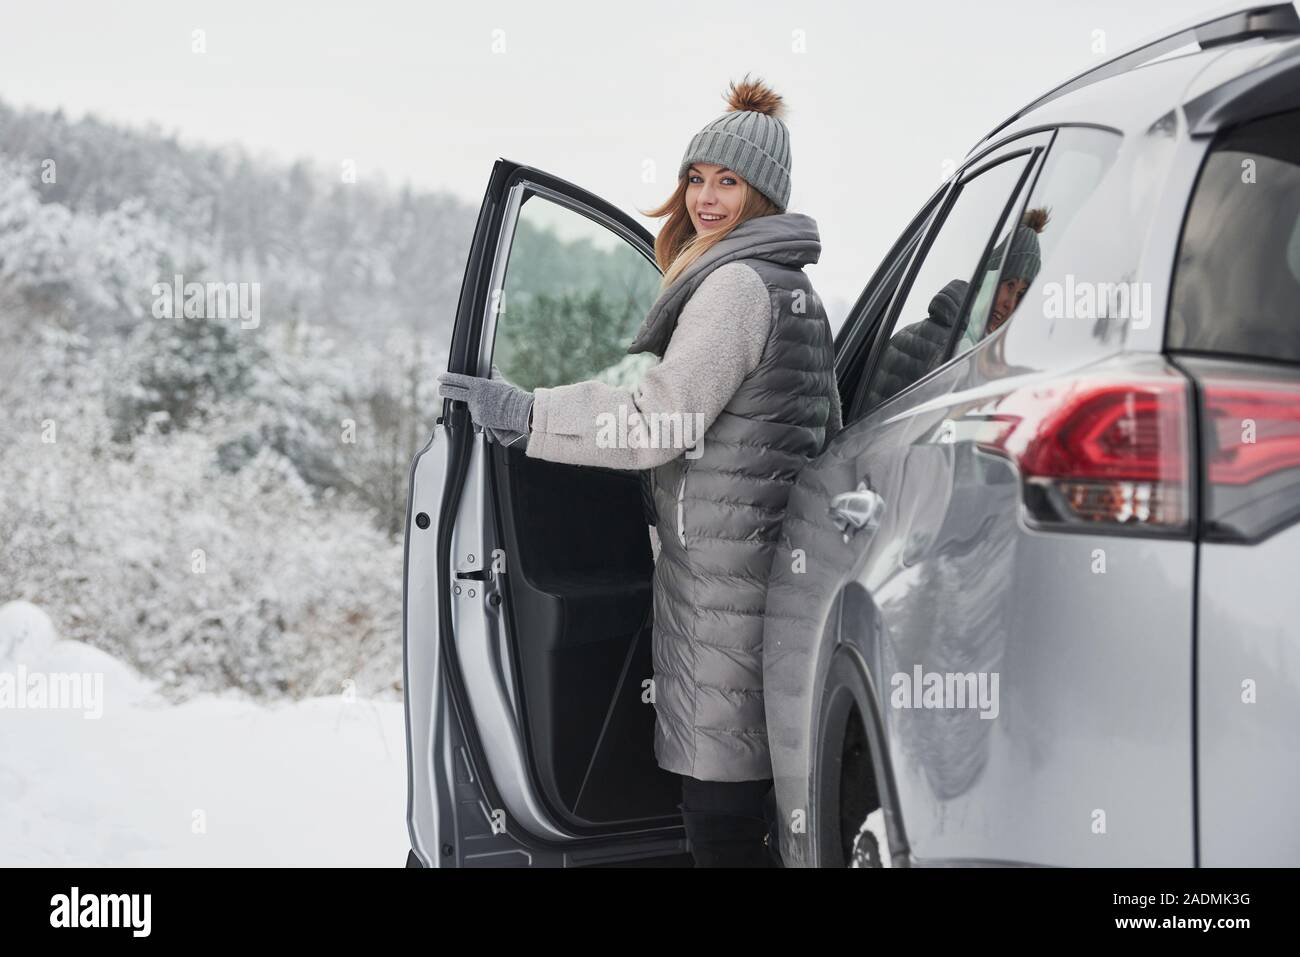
{"type": "Point", "coordinates": [218, 503]}
{"type": "Point", "coordinates": [215, 501]}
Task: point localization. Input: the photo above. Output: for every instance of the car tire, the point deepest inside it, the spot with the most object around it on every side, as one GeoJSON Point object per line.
{"type": "Point", "coordinates": [851, 787]}
{"type": "Point", "coordinates": [866, 850]}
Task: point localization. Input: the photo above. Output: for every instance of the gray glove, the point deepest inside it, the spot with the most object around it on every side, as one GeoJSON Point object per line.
{"type": "Point", "coordinates": [493, 403]}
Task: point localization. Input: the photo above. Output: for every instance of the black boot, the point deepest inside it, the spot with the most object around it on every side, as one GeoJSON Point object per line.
{"type": "Point", "coordinates": [773, 837]}
{"type": "Point", "coordinates": [718, 839]}
{"type": "Point", "coordinates": [728, 823]}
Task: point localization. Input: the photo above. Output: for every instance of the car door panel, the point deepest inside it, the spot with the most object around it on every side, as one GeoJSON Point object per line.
{"type": "Point", "coordinates": [527, 632]}
{"type": "Point", "coordinates": [918, 582]}
{"type": "Point", "coordinates": [869, 453]}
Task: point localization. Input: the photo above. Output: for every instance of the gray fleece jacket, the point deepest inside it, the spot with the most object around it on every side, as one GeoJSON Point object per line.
{"type": "Point", "coordinates": [717, 342]}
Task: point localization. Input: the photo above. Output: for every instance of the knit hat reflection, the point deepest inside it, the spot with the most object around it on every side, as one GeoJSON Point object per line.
{"type": "Point", "coordinates": [1025, 257]}
{"type": "Point", "coordinates": [750, 139]}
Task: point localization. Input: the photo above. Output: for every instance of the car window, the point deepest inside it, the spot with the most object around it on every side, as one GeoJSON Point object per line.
{"type": "Point", "coordinates": [854, 340]}
{"type": "Point", "coordinates": [936, 297]}
{"type": "Point", "coordinates": [1078, 159]}
{"type": "Point", "coordinates": [575, 293]}
{"type": "Point", "coordinates": [1237, 282]}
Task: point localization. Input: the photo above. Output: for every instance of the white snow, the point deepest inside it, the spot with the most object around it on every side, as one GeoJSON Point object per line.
{"type": "Point", "coordinates": [25, 630]}
{"type": "Point", "coordinates": [875, 826]}
{"type": "Point", "coordinates": [218, 781]}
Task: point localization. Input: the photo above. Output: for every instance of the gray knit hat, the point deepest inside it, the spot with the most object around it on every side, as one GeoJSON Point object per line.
{"type": "Point", "coordinates": [1025, 257]}
{"type": "Point", "coordinates": [749, 139]}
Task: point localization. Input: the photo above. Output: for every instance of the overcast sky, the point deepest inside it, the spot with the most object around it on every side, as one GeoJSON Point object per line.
{"type": "Point", "coordinates": [879, 96]}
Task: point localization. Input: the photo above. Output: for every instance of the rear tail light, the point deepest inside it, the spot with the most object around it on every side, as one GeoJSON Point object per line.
{"type": "Point", "coordinates": [1100, 451]}
{"type": "Point", "coordinates": [1253, 430]}
{"type": "Point", "coordinates": [1250, 428]}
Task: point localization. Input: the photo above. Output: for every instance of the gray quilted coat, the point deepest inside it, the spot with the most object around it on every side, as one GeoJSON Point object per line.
{"type": "Point", "coordinates": [719, 514]}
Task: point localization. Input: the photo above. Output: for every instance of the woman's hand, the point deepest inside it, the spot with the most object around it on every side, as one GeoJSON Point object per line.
{"type": "Point", "coordinates": [493, 404]}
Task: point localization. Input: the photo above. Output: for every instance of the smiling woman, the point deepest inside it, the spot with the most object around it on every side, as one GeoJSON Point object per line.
{"type": "Point", "coordinates": [746, 355]}
{"type": "Point", "coordinates": [714, 194]}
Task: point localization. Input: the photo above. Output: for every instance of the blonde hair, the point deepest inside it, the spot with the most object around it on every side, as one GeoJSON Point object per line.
{"type": "Point", "coordinates": [678, 244]}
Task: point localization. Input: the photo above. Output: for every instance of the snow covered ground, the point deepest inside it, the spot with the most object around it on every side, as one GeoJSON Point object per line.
{"type": "Point", "coordinates": [220, 780]}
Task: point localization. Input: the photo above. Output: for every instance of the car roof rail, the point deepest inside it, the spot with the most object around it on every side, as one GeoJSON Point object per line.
{"type": "Point", "coordinates": [1277, 19]}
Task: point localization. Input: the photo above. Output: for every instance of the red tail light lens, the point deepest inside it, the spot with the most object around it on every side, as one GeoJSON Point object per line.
{"type": "Point", "coordinates": [1253, 430]}
{"type": "Point", "coordinates": [1250, 442]}
{"type": "Point", "coordinates": [1100, 451]}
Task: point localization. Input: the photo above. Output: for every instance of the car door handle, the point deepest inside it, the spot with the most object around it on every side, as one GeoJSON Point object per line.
{"type": "Point", "coordinates": [853, 511]}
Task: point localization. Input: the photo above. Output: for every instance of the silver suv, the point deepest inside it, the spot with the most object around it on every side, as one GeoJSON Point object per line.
{"type": "Point", "coordinates": [1037, 603]}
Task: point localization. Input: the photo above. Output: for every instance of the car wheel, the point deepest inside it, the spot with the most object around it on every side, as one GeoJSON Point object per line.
{"type": "Point", "coordinates": [866, 852]}
{"type": "Point", "coordinates": [849, 818]}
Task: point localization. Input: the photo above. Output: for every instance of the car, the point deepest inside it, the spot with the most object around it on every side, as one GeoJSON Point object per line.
{"type": "Point", "coordinates": [1034, 604]}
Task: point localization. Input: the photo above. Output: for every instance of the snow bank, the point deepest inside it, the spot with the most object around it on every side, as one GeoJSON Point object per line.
{"type": "Point", "coordinates": [24, 630]}
{"type": "Point", "coordinates": [218, 781]}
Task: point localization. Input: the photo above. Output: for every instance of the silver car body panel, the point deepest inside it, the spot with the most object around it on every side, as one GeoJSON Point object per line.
{"type": "Point", "coordinates": [1248, 701]}
{"type": "Point", "coordinates": [429, 805]}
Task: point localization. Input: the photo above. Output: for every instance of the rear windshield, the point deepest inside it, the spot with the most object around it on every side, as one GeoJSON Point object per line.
{"type": "Point", "coordinates": [1237, 283]}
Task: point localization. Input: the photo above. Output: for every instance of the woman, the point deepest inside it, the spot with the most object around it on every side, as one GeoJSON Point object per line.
{"type": "Point", "coordinates": [744, 395]}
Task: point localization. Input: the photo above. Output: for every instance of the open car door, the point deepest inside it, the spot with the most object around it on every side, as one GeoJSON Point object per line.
{"type": "Point", "coordinates": [528, 583]}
